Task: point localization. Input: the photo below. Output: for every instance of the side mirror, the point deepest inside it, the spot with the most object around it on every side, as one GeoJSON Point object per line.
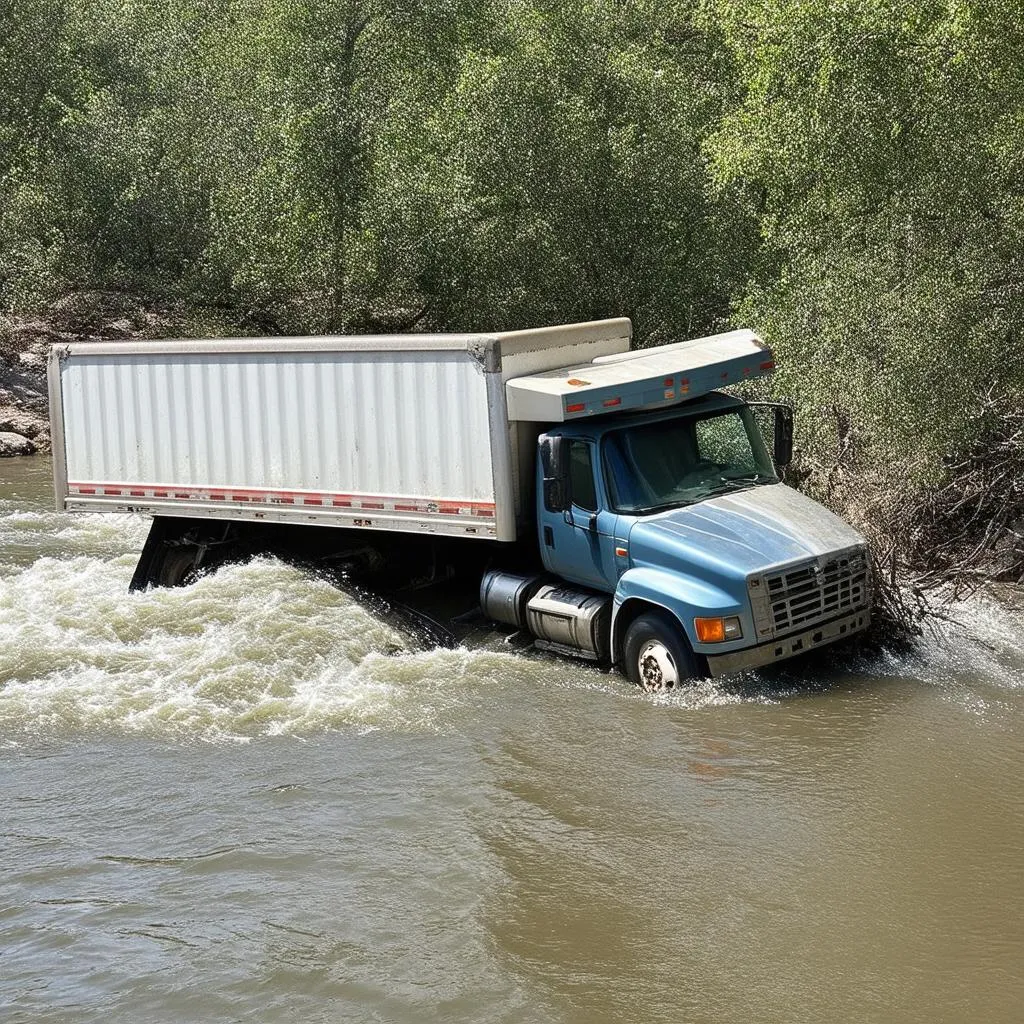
{"type": "Point", "coordinates": [554, 462]}
{"type": "Point", "coordinates": [783, 447]}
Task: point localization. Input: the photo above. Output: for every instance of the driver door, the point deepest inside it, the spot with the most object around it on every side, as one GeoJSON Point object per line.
{"type": "Point", "coordinates": [579, 544]}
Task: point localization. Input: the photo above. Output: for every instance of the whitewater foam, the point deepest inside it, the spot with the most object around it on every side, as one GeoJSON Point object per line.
{"type": "Point", "coordinates": [265, 649]}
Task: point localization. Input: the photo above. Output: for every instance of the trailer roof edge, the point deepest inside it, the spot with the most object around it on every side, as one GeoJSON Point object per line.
{"type": "Point", "coordinates": [483, 345]}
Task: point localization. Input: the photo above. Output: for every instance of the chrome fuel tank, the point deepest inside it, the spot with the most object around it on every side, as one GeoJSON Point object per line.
{"type": "Point", "coordinates": [504, 596]}
{"type": "Point", "coordinates": [573, 621]}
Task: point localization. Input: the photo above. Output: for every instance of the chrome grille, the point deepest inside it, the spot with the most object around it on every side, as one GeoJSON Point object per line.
{"type": "Point", "coordinates": [809, 592]}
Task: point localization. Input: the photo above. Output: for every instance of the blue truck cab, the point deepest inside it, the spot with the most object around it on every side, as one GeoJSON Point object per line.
{"type": "Point", "coordinates": [671, 548]}
{"type": "Point", "coordinates": [714, 565]}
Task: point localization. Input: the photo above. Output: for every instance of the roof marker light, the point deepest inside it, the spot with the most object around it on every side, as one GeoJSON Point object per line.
{"type": "Point", "coordinates": [609, 402]}
{"type": "Point", "coordinates": [578, 407]}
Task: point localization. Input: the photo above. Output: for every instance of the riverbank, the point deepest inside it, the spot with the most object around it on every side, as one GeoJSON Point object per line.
{"type": "Point", "coordinates": [24, 412]}
{"type": "Point", "coordinates": [940, 541]}
{"type": "Point", "coordinates": [79, 316]}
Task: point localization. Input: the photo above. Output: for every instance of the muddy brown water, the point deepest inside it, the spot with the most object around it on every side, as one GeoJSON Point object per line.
{"type": "Point", "coordinates": [249, 799]}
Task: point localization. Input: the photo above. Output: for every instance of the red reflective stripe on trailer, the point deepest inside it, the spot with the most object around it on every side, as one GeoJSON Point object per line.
{"type": "Point", "coordinates": [259, 496]}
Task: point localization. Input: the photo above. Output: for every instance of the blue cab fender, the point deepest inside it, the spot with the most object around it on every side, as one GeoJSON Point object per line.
{"type": "Point", "coordinates": [683, 597]}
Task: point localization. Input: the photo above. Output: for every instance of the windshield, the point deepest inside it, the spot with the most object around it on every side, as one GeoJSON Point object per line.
{"type": "Point", "coordinates": [655, 466]}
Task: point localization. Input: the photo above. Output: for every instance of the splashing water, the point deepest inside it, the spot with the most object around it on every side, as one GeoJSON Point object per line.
{"type": "Point", "coordinates": [265, 649]}
{"type": "Point", "coordinates": [259, 648]}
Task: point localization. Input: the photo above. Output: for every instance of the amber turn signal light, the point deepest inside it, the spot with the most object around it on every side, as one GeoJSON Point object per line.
{"type": "Point", "coordinates": [718, 629]}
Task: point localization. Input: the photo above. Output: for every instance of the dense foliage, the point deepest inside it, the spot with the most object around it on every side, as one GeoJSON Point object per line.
{"type": "Point", "coordinates": [846, 176]}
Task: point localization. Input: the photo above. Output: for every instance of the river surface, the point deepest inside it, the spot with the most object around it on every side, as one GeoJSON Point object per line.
{"type": "Point", "coordinates": [250, 800]}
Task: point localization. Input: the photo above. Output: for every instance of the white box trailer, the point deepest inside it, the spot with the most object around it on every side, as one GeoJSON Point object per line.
{"type": "Point", "coordinates": [405, 432]}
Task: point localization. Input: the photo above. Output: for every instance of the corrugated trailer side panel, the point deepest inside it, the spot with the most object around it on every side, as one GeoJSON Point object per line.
{"type": "Point", "coordinates": [337, 437]}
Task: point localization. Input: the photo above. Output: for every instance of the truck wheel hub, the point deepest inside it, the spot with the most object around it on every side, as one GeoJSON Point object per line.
{"type": "Point", "coordinates": [657, 670]}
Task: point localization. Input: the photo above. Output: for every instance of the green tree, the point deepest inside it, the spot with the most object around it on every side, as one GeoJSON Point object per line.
{"type": "Point", "coordinates": [574, 142]}
{"type": "Point", "coordinates": [879, 146]}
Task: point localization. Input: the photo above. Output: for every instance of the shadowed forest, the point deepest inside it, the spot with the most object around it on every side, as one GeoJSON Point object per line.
{"type": "Point", "coordinates": [846, 178]}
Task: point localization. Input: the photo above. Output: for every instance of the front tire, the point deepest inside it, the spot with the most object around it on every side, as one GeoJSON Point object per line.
{"type": "Point", "coordinates": [656, 653]}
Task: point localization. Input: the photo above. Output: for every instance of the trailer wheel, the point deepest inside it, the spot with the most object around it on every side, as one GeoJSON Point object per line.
{"type": "Point", "coordinates": [657, 654]}
{"type": "Point", "coordinates": [178, 567]}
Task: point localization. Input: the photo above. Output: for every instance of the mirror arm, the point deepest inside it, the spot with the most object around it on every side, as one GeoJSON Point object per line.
{"type": "Point", "coordinates": [782, 446]}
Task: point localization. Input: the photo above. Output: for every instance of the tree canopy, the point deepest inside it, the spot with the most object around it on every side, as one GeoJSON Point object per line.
{"type": "Point", "coordinates": [845, 177]}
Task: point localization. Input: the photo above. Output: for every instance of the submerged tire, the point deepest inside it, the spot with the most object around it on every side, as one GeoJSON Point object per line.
{"type": "Point", "coordinates": [656, 653]}
{"type": "Point", "coordinates": [178, 567]}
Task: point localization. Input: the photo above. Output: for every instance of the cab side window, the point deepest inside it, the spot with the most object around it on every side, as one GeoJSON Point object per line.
{"type": "Point", "coordinates": [581, 472]}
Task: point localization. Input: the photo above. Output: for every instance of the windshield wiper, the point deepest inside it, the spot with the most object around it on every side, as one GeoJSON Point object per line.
{"type": "Point", "coordinates": [647, 510]}
{"type": "Point", "coordinates": [752, 476]}
{"type": "Point", "coordinates": [738, 483]}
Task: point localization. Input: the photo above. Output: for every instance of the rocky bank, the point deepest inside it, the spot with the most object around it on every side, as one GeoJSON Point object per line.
{"type": "Point", "coordinates": [24, 412]}
{"type": "Point", "coordinates": [25, 342]}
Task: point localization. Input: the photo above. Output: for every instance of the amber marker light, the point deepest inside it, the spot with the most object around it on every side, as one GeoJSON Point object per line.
{"type": "Point", "coordinates": [718, 629]}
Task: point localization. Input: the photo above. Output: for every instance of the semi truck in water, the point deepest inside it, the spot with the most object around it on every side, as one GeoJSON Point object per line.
{"type": "Point", "coordinates": [611, 504]}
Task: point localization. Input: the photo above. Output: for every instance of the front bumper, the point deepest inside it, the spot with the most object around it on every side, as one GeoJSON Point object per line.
{"type": "Point", "coordinates": [787, 647]}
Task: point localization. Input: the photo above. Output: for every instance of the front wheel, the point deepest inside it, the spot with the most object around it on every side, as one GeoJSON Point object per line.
{"type": "Point", "coordinates": [656, 653]}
